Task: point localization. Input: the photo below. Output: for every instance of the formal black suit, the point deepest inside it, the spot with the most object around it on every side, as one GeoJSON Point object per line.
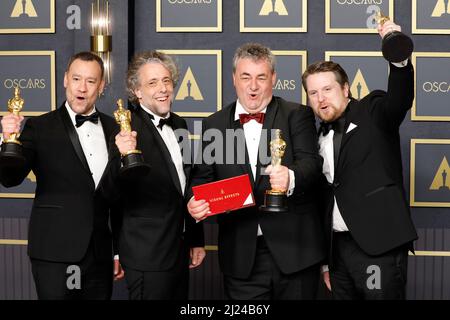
{"type": "Point", "coordinates": [293, 239]}
{"type": "Point", "coordinates": [368, 180]}
{"type": "Point", "coordinates": [70, 217]}
{"type": "Point", "coordinates": [152, 241]}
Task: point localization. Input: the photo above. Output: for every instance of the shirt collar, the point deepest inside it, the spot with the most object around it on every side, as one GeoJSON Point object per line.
{"type": "Point", "coordinates": [72, 114]}
{"type": "Point", "coordinates": [240, 109]}
{"type": "Point", "coordinates": [156, 118]}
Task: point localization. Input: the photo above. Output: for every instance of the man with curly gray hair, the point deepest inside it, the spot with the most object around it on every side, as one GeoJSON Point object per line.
{"type": "Point", "coordinates": [159, 241]}
{"type": "Point", "coordinates": [142, 59]}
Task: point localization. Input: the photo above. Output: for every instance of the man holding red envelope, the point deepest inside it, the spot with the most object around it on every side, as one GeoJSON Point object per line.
{"type": "Point", "coordinates": [262, 255]}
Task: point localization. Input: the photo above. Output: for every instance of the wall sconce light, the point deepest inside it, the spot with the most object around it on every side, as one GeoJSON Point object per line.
{"type": "Point", "coordinates": [101, 39]}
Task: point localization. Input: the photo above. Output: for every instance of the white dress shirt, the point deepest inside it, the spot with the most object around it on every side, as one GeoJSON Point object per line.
{"type": "Point", "coordinates": [252, 132]}
{"type": "Point", "coordinates": [93, 143]}
{"type": "Point", "coordinates": [327, 153]}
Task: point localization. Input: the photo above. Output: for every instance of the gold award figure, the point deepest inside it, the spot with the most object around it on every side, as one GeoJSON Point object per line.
{"type": "Point", "coordinates": [123, 117]}
{"type": "Point", "coordinates": [133, 162]}
{"type": "Point", "coordinates": [276, 200]}
{"type": "Point", "coordinates": [277, 148]}
{"type": "Point", "coordinates": [396, 46]}
{"type": "Point", "coordinates": [11, 152]}
{"type": "Point", "coordinates": [15, 105]}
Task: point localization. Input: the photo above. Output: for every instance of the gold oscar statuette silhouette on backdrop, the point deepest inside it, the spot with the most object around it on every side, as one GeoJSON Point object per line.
{"type": "Point", "coordinates": [24, 8]}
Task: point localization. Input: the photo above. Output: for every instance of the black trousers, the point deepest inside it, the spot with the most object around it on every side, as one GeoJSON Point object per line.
{"type": "Point", "coordinates": [57, 281]}
{"type": "Point", "coordinates": [172, 284]}
{"type": "Point", "coordinates": [267, 282]}
{"type": "Point", "coordinates": [356, 275]}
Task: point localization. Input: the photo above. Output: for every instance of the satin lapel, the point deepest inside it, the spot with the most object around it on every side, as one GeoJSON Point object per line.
{"type": "Point", "coordinates": [73, 136]}
{"type": "Point", "coordinates": [162, 147]}
{"type": "Point", "coordinates": [235, 125]}
{"type": "Point", "coordinates": [178, 123]}
{"type": "Point", "coordinates": [349, 118]}
{"type": "Point", "coordinates": [264, 143]}
{"type": "Point", "coordinates": [108, 127]}
{"type": "Point", "coordinates": [108, 130]}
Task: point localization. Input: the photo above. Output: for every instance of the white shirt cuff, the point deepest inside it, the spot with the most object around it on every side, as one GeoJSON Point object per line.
{"type": "Point", "coordinates": [400, 64]}
{"type": "Point", "coordinates": [291, 183]}
{"type": "Point", "coordinates": [116, 257]}
{"type": "Point", "coordinates": [324, 268]}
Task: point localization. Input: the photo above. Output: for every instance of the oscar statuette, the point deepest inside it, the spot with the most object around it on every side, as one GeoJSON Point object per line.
{"type": "Point", "coordinates": [11, 152]}
{"type": "Point", "coordinates": [133, 165]}
{"type": "Point", "coordinates": [396, 46]}
{"type": "Point", "coordinates": [275, 200]}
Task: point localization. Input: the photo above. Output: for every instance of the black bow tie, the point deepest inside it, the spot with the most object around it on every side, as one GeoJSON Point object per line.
{"type": "Point", "coordinates": [325, 127]}
{"type": "Point", "coordinates": [80, 119]}
{"type": "Point", "coordinates": [163, 122]}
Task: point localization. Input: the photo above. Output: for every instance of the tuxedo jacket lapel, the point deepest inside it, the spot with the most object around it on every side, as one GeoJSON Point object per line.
{"type": "Point", "coordinates": [108, 130]}
{"type": "Point", "coordinates": [162, 147]}
{"type": "Point", "coordinates": [178, 124]}
{"type": "Point", "coordinates": [73, 136]}
{"type": "Point", "coordinates": [264, 144]}
{"type": "Point", "coordinates": [346, 136]}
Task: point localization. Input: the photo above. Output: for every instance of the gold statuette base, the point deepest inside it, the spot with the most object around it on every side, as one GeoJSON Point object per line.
{"type": "Point", "coordinates": [134, 166]}
{"type": "Point", "coordinates": [397, 47]}
{"type": "Point", "coordinates": [274, 202]}
{"type": "Point", "coordinates": [11, 154]}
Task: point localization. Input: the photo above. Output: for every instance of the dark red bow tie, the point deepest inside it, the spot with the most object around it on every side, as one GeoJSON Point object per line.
{"type": "Point", "coordinates": [246, 117]}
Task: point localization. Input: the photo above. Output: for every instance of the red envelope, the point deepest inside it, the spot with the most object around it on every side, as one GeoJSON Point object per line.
{"type": "Point", "coordinates": [226, 195]}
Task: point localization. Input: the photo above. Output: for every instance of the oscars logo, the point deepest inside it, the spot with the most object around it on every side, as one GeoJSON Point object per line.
{"type": "Point", "coordinates": [440, 181]}
{"type": "Point", "coordinates": [273, 7]}
{"type": "Point", "coordinates": [359, 88]}
{"type": "Point", "coordinates": [31, 176]}
{"type": "Point", "coordinates": [24, 8]}
{"type": "Point", "coordinates": [441, 7]}
{"type": "Point", "coordinates": [189, 89]}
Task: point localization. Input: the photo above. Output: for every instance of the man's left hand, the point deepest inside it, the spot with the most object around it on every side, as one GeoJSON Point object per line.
{"type": "Point", "coordinates": [118, 271]}
{"type": "Point", "coordinates": [197, 255]}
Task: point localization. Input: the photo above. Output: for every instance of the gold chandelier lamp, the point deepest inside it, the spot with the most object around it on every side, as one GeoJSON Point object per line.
{"type": "Point", "coordinates": [101, 39]}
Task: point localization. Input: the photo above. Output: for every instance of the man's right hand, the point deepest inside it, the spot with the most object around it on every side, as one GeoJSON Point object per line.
{"type": "Point", "coordinates": [198, 209]}
{"type": "Point", "coordinates": [126, 141]}
{"type": "Point", "coordinates": [11, 124]}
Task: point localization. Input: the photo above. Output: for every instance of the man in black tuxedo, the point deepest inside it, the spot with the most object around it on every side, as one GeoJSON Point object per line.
{"type": "Point", "coordinates": [367, 221]}
{"type": "Point", "coordinates": [158, 236]}
{"type": "Point", "coordinates": [67, 151]}
{"type": "Point", "coordinates": [264, 255]}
